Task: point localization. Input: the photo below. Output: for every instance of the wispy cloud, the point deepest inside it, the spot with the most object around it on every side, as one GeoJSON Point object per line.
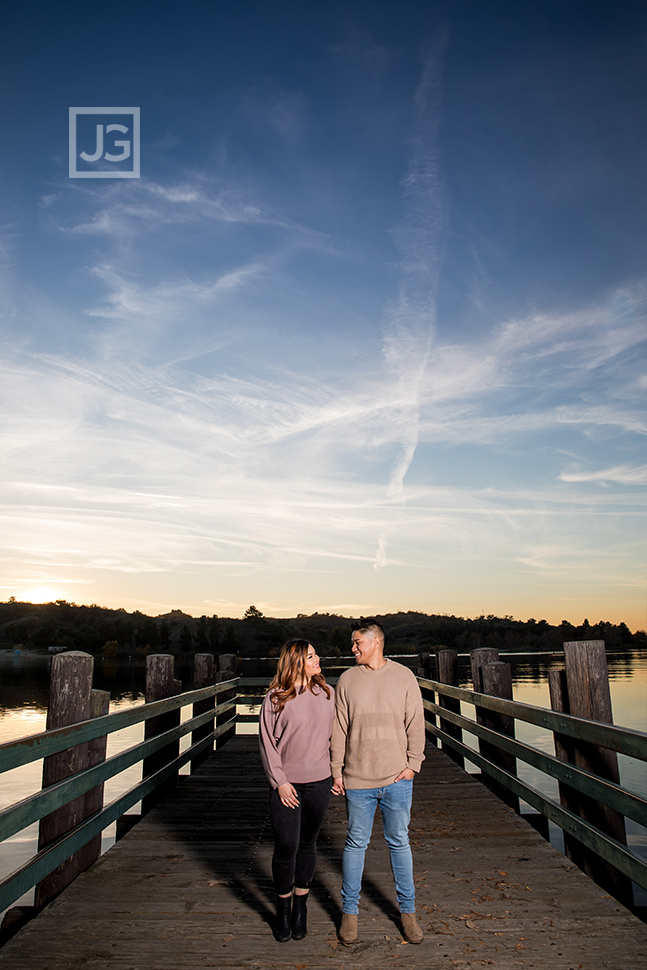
{"type": "Point", "coordinates": [621, 474]}
{"type": "Point", "coordinates": [214, 423]}
{"type": "Point", "coordinates": [420, 240]}
{"type": "Point", "coordinates": [119, 467]}
{"type": "Point", "coordinates": [135, 209]}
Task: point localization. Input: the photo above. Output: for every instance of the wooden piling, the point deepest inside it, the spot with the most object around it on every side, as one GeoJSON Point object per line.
{"type": "Point", "coordinates": [448, 674]}
{"type": "Point", "coordinates": [565, 751]}
{"type": "Point", "coordinates": [478, 659]}
{"type": "Point", "coordinates": [584, 692]}
{"type": "Point", "coordinates": [497, 680]}
{"type": "Point", "coordinates": [203, 676]}
{"type": "Point", "coordinates": [70, 691]}
{"type": "Point", "coordinates": [227, 668]}
{"type": "Point", "coordinates": [160, 683]}
{"type": "Point", "coordinates": [425, 671]}
{"type": "Point", "coordinates": [192, 888]}
{"type": "Point", "coordinates": [424, 663]}
{"type": "Point", "coordinates": [227, 665]}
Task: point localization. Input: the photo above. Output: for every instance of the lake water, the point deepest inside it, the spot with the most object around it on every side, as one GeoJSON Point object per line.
{"type": "Point", "coordinates": [24, 682]}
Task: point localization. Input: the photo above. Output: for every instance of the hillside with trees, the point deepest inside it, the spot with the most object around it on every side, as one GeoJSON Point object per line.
{"type": "Point", "coordinates": [102, 631]}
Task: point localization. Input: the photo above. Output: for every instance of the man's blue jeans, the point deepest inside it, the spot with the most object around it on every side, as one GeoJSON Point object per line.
{"type": "Point", "coordinates": [395, 805]}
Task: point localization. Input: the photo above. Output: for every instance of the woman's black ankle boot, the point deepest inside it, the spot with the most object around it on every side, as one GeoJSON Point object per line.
{"type": "Point", "coordinates": [283, 927]}
{"type": "Point", "coordinates": [299, 916]}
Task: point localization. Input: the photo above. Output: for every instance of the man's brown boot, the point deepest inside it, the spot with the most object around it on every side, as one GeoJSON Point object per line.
{"type": "Point", "coordinates": [348, 929]}
{"type": "Point", "coordinates": [411, 929]}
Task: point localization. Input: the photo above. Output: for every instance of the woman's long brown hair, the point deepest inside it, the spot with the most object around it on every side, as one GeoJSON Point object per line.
{"type": "Point", "coordinates": [291, 672]}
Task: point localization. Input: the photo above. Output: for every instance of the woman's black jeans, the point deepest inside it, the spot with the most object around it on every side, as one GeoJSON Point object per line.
{"type": "Point", "coordinates": [295, 835]}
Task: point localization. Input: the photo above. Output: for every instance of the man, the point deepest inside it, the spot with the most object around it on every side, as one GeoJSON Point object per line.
{"type": "Point", "coordinates": [377, 745]}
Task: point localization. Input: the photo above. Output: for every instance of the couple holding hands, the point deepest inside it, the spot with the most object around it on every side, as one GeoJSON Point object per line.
{"type": "Point", "coordinates": [365, 741]}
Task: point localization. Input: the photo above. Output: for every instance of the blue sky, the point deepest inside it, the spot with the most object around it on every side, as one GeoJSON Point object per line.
{"type": "Point", "coordinates": [366, 335]}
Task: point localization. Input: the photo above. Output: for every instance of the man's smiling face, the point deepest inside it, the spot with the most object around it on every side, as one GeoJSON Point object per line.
{"type": "Point", "coordinates": [365, 647]}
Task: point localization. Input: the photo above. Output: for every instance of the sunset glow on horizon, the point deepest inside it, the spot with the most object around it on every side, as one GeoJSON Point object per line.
{"type": "Point", "coordinates": [366, 336]}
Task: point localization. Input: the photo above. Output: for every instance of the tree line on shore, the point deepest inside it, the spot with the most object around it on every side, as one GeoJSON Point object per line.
{"type": "Point", "coordinates": [108, 632]}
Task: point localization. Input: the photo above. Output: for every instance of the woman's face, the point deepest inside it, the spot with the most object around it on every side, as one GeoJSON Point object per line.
{"type": "Point", "coordinates": [312, 665]}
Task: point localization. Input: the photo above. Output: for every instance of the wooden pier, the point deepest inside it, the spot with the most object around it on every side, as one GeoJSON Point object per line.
{"type": "Point", "coordinates": [190, 886]}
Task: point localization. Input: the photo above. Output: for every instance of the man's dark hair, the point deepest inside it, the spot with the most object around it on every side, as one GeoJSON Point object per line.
{"type": "Point", "coordinates": [366, 623]}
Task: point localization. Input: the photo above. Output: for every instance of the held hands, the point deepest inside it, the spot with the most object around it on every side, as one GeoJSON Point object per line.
{"type": "Point", "coordinates": [338, 783]}
{"type": "Point", "coordinates": [288, 795]}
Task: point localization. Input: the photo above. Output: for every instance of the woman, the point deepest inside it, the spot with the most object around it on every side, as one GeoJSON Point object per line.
{"type": "Point", "coordinates": [295, 727]}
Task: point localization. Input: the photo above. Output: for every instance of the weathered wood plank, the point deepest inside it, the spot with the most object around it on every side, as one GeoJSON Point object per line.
{"type": "Point", "coordinates": [190, 886]}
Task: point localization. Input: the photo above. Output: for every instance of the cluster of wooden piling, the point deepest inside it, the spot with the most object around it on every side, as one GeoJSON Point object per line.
{"type": "Point", "coordinates": [580, 688]}
{"type": "Point", "coordinates": [72, 699]}
{"type": "Point", "coordinates": [579, 691]}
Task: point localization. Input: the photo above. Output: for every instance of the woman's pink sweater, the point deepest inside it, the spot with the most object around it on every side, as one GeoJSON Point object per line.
{"type": "Point", "coordinates": [295, 744]}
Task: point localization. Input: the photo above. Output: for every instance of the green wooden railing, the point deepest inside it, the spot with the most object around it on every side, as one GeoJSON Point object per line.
{"type": "Point", "coordinates": [442, 724]}
{"type": "Point", "coordinates": [222, 718]}
{"type": "Point", "coordinates": [622, 740]}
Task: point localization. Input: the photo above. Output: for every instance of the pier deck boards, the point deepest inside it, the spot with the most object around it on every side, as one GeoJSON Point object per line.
{"type": "Point", "coordinates": [190, 887]}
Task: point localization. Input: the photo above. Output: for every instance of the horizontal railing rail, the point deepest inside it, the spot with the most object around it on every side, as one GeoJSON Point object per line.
{"type": "Point", "coordinates": [249, 692]}
{"type": "Point", "coordinates": [36, 746]}
{"type": "Point", "coordinates": [17, 817]}
{"type": "Point", "coordinates": [624, 740]}
{"type": "Point", "coordinates": [619, 739]}
{"type": "Point", "coordinates": [631, 805]}
{"type": "Point", "coordinates": [36, 806]}
{"type": "Point", "coordinates": [602, 844]}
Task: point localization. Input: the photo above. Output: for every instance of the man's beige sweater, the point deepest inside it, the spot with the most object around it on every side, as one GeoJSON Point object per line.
{"type": "Point", "coordinates": [379, 726]}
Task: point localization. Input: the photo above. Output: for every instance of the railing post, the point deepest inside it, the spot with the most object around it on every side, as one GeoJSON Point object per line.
{"type": "Point", "coordinates": [497, 681]}
{"type": "Point", "coordinates": [424, 671]}
{"type": "Point", "coordinates": [160, 683]}
{"type": "Point", "coordinates": [203, 676]}
{"type": "Point", "coordinates": [478, 659]}
{"type": "Point", "coordinates": [227, 668]}
{"type": "Point", "coordinates": [70, 691]}
{"type": "Point", "coordinates": [565, 751]}
{"type": "Point", "coordinates": [99, 706]}
{"type": "Point", "coordinates": [448, 674]}
{"type": "Point", "coordinates": [585, 693]}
